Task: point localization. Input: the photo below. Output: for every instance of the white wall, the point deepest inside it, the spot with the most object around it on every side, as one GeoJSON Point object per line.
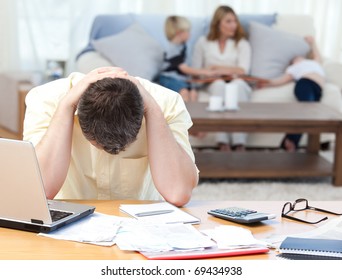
{"type": "Point", "coordinates": [59, 29]}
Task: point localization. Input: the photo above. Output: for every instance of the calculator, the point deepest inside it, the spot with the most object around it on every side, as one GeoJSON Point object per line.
{"type": "Point", "coordinates": [240, 215]}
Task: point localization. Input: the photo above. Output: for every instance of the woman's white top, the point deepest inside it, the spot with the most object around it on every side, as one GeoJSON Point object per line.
{"type": "Point", "coordinates": [207, 53]}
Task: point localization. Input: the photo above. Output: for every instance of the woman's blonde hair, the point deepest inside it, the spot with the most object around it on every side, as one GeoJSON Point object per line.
{"type": "Point", "coordinates": [176, 24]}
{"type": "Point", "coordinates": [220, 13]}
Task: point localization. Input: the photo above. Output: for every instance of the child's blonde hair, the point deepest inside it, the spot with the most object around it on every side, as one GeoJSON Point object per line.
{"type": "Point", "coordinates": [175, 24]}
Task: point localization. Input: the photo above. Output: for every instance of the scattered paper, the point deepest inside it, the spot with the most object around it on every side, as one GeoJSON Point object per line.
{"type": "Point", "coordinates": [140, 236]}
{"type": "Point", "coordinates": [233, 237]}
{"type": "Point", "coordinates": [98, 229]}
{"type": "Point", "coordinates": [330, 230]}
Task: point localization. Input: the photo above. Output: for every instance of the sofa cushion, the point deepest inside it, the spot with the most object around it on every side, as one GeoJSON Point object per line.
{"type": "Point", "coordinates": [106, 25]}
{"type": "Point", "coordinates": [272, 50]}
{"type": "Point", "coordinates": [134, 50]}
{"type": "Point", "coordinates": [91, 60]}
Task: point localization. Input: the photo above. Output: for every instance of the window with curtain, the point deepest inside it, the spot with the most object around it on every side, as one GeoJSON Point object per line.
{"type": "Point", "coordinates": [36, 31]}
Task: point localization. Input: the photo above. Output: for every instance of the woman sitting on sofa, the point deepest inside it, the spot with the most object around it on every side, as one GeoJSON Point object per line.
{"type": "Point", "coordinates": [309, 77]}
{"type": "Point", "coordinates": [226, 51]}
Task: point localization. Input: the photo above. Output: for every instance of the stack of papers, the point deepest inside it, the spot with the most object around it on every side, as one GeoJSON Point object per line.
{"type": "Point", "coordinates": [165, 235]}
{"type": "Point", "coordinates": [230, 241]}
{"type": "Point", "coordinates": [139, 236]}
{"type": "Point", "coordinates": [132, 234]}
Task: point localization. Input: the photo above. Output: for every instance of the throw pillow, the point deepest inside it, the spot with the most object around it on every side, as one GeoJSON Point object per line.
{"type": "Point", "coordinates": [134, 50]}
{"type": "Point", "coordinates": [273, 50]}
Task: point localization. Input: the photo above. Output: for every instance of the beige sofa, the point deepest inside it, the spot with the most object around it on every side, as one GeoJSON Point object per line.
{"type": "Point", "coordinates": [283, 26]}
{"type": "Point", "coordinates": [13, 90]}
{"type": "Point", "coordinates": [332, 92]}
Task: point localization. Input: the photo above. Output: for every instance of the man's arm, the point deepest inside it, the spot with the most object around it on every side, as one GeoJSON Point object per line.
{"type": "Point", "coordinates": [54, 149]}
{"type": "Point", "coordinates": [173, 171]}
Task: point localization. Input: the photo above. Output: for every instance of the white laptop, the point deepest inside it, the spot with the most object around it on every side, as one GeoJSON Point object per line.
{"type": "Point", "coordinates": [23, 203]}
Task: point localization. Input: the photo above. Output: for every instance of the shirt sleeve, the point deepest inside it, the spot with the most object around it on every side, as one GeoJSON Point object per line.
{"type": "Point", "coordinates": [41, 104]}
{"type": "Point", "coordinates": [175, 113]}
{"type": "Point", "coordinates": [37, 116]}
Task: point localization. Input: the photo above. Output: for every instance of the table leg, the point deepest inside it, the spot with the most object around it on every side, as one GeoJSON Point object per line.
{"type": "Point", "coordinates": [337, 179]}
{"type": "Point", "coordinates": [313, 143]}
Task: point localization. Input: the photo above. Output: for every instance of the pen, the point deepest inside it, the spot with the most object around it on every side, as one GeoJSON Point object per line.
{"type": "Point", "coordinates": [151, 213]}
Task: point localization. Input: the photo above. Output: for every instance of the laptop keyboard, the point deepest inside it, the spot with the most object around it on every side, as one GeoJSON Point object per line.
{"type": "Point", "coordinates": [57, 215]}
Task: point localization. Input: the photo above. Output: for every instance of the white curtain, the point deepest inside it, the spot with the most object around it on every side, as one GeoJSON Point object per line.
{"type": "Point", "coordinates": [59, 29]}
{"type": "Point", "coordinates": [9, 51]}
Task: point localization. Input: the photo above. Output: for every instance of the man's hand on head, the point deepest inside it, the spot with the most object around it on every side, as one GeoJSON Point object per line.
{"type": "Point", "coordinates": [147, 98]}
{"type": "Point", "coordinates": [73, 97]}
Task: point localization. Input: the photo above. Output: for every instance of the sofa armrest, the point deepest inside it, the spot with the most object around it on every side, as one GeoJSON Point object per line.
{"type": "Point", "coordinates": [13, 90]}
{"type": "Point", "coordinates": [333, 72]}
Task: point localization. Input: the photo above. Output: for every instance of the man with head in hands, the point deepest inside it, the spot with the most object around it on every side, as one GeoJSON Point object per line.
{"type": "Point", "coordinates": [108, 135]}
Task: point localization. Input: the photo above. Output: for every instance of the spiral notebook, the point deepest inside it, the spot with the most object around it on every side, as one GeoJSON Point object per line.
{"type": "Point", "coordinates": [296, 248]}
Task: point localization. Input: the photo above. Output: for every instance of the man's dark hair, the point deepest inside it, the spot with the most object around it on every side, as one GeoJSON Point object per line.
{"type": "Point", "coordinates": [110, 112]}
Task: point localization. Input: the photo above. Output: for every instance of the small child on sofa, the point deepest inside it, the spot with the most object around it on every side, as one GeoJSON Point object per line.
{"type": "Point", "coordinates": [175, 72]}
{"type": "Point", "coordinates": [309, 77]}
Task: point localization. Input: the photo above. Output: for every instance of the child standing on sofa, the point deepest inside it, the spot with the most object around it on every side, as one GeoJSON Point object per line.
{"type": "Point", "coordinates": [309, 77]}
{"type": "Point", "coordinates": [175, 72]}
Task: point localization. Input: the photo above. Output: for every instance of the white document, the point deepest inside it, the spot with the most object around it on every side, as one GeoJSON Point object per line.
{"type": "Point", "coordinates": [98, 229]}
{"type": "Point", "coordinates": [161, 212]}
{"type": "Point", "coordinates": [330, 230]}
{"type": "Point", "coordinates": [231, 237]}
{"type": "Point", "coordinates": [139, 236]}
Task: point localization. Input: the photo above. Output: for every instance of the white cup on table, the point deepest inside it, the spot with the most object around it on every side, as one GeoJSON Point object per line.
{"type": "Point", "coordinates": [215, 103]}
{"type": "Point", "coordinates": [231, 97]}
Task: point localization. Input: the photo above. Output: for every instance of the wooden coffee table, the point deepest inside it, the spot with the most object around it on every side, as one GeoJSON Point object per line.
{"type": "Point", "coordinates": [311, 118]}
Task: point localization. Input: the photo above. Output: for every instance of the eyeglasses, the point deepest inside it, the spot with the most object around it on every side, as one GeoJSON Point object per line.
{"type": "Point", "coordinates": [300, 205]}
